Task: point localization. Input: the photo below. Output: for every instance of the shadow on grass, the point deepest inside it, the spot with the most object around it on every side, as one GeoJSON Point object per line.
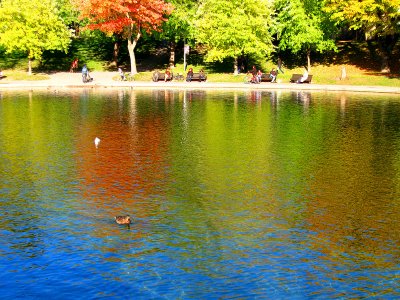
{"type": "Point", "coordinates": [359, 54]}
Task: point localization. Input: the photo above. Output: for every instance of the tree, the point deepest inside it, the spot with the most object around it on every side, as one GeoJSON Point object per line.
{"type": "Point", "coordinates": [33, 29]}
{"type": "Point", "coordinates": [379, 19]}
{"type": "Point", "coordinates": [179, 26]}
{"type": "Point", "coordinates": [126, 17]}
{"type": "Point", "coordinates": [301, 26]}
{"type": "Point", "coordinates": [231, 28]}
{"type": "Point", "coordinates": [69, 14]}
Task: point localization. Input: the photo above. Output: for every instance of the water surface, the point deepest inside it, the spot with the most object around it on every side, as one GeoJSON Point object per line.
{"type": "Point", "coordinates": [235, 194]}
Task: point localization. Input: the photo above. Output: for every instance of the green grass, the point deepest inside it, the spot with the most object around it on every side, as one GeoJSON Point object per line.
{"type": "Point", "coordinates": [322, 74]}
{"type": "Point", "coordinates": [13, 75]}
{"type": "Point", "coordinates": [15, 69]}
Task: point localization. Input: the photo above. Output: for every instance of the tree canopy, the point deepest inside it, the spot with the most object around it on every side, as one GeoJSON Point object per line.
{"type": "Point", "coordinates": [301, 26]}
{"type": "Point", "coordinates": [231, 28]}
{"type": "Point", "coordinates": [180, 25]}
{"type": "Point", "coordinates": [35, 28]}
{"type": "Point", "coordinates": [379, 19]}
{"type": "Point", "coordinates": [224, 30]}
{"type": "Point", "coordinates": [129, 17]}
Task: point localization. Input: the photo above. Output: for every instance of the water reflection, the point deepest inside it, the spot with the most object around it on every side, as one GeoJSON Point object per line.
{"type": "Point", "coordinates": [233, 194]}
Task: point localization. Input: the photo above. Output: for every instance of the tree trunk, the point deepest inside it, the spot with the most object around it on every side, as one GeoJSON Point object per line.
{"type": "Point", "coordinates": [343, 74]}
{"type": "Point", "coordinates": [131, 47]}
{"type": "Point", "coordinates": [309, 60]}
{"type": "Point", "coordinates": [385, 68]}
{"type": "Point", "coordinates": [235, 67]}
{"type": "Point", "coordinates": [29, 66]}
{"type": "Point", "coordinates": [172, 47]}
{"type": "Point", "coordinates": [386, 45]}
{"type": "Point", "coordinates": [115, 53]}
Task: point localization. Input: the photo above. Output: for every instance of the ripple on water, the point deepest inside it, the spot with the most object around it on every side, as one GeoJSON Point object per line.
{"type": "Point", "coordinates": [244, 195]}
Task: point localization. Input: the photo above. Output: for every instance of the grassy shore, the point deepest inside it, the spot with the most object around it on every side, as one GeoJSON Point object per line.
{"type": "Point", "coordinates": [322, 74]}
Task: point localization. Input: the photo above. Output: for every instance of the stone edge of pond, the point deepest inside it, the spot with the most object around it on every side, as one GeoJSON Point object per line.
{"type": "Point", "coordinates": [202, 85]}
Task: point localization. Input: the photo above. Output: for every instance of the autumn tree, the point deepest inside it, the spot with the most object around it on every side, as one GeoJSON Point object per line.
{"type": "Point", "coordinates": [127, 17]}
{"type": "Point", "coordinates": [303, 27]}
{"type": "Point", "coordinates": [379, 19]}
{"type": "Point", "coordinates": [232, 28]}
{"type": "Point", "coordinates": [32, 26]}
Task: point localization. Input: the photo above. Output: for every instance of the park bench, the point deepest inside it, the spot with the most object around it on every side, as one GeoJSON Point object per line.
{"type": "Point", "coordinates": [266, 78]}
{"type": "Point", "coordinates": [158, 76]}
{"type": "Point", "coordinates": [296, 77]}
{"type": "Point", "coordinates": [196, 77]}
{"type": "Point", "coordinates": [179, 77]}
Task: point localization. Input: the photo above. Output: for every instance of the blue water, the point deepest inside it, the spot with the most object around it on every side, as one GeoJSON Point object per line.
{"type": "Point", "coordinates": [248, 195]}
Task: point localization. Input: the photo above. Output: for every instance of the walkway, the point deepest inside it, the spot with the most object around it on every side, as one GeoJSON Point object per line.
{"type": "Point", "coordinates": [105, 80]}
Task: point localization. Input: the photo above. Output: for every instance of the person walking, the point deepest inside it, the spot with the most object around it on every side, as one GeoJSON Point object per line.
{"type": "Point", "coordinates": [85, 74]}
{"type": "Point", "coordinates": [121, 74]}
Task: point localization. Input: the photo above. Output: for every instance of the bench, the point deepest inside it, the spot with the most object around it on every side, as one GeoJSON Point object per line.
{"type": "Point", "coordinates": [196, 77]}
{"type": "Point", "coordinates": [296, 77]}
{"type": "Point", "coordinates": [179, 77]}
{"type": "Point", "coordinates": [158, 76]}
{"type": "Point", "coordinates": [266, 78]}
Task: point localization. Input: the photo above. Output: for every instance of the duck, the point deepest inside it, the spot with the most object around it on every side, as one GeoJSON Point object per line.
{"type": "Point", "coordinates": [123, 220]}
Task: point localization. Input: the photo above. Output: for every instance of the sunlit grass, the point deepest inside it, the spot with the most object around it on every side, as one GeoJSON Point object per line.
{"type": "Point", "coordinates": [23, 76]}
{"type": "Point", "coordinates": [322, 74]}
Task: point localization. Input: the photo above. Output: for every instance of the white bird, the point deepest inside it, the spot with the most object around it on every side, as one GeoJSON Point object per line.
{"type": "Point", "coordinates": [97, 141]}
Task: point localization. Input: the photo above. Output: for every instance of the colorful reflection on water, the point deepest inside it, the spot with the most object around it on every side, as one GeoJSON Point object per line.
{"type": "Point", "coordinates": [234, 194]}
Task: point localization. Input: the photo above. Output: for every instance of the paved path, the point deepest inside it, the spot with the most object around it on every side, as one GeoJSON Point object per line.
{"type": "Point", "coordinates": [105, 80]}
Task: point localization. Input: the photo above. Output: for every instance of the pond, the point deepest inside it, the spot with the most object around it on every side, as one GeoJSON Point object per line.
{"type": "Point", "coordinates": [233, 194]}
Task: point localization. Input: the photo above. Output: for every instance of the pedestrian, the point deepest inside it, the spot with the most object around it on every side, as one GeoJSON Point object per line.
{"type": "Point", "coordinates": [85, 74]}
{"type": "Point", "coordinates": [74, 65]}
{"type": "Point", "coordinates": [121, 74]}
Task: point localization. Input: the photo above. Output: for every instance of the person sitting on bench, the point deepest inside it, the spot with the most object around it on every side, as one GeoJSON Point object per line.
{"type": "Point", "coordinates": [202, 75]}
{"type": "Point", "coordinates": [189, 75]}
{"type": "Point", "coordinates": [304, 77]}
{"type": "Point", "coordinates": [259, 75]}
{"type": "Point", "coordinates": [273, 75]}
{"type": "Point", "coordinates": [167, 75]}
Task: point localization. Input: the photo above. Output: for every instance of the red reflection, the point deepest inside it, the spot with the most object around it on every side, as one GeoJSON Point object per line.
{"type": "Point", "coordinates": [128, 164]}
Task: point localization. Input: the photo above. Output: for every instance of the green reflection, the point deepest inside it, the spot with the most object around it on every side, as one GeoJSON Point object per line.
{"type": "Point", "coordinates": [213, 166]}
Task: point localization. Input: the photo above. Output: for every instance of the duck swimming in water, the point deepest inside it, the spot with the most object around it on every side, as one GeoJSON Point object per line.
{"type": "Point", "coordinates": [123, 220]}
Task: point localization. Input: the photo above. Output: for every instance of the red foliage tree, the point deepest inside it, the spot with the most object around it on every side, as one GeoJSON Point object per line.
{"type": "Point", "coordinates": [127, 17]}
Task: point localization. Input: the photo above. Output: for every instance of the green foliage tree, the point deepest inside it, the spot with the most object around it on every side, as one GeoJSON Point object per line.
{"type": "Point", "coordinates": [231, 28]}
{"type": "Point", "coordinates": [303, 27]}
{"type": "Point", "coordinates": [179, 26]}
{"type": "Point", "coordinates": [69, 14]}
{"type": "Point", "coordinates": [379, 19]}
{"type": "Point", "coordinates": [32, 26]}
